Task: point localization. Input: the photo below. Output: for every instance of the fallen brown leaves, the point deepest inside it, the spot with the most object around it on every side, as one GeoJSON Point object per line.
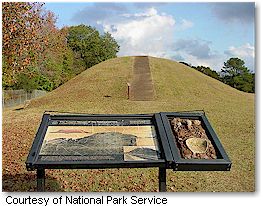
{"type": "Point", "coordinates": [19, 128]}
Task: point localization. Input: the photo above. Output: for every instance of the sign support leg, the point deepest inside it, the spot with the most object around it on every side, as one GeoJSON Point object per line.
{"type": "Point", "coordinates": [162, 179]}
{"type": "Point", "coordinates": [40, 180]}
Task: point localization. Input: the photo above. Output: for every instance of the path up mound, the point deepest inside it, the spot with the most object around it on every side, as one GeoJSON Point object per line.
{"type": "Point", "coordinates": [103, 88]}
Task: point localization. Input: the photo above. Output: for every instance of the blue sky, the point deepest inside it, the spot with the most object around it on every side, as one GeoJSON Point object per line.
{"type": "Point", "coordinates": [198, 33]}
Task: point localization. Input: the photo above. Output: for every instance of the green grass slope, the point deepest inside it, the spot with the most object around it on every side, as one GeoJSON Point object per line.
{"type": "Point", "coordinates": [177, 87]}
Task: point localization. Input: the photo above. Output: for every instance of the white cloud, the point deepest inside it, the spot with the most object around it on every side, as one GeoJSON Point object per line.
{"type": "Point", "coordinates": [145, 33]}
{"type": "Point", "coordinates": [185, 24]}
{"type": "Point", "coordinates": [149, 12]}
{"type": "Point", "coordinates": [195, 47]}
{"type": "Point", "coordinates": [152, 33]}
{"type": "Point", "coordinates": [198, 52]}
{"type": "Point", "coordinates": [245, 52]}
{"type": "Point", "coordinates": [215, 62]}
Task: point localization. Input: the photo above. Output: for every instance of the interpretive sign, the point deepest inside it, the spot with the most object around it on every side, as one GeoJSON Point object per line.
{"type": "Point", "coordinates": [164, 140]}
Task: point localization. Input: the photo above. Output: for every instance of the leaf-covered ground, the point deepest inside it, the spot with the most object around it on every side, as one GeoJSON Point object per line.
{"type": "Point", "coordinates": [177, 88]}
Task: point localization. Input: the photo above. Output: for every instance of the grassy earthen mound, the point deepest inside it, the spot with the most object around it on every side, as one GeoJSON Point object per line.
{"type": "Point", "coordinates": [103, 89]}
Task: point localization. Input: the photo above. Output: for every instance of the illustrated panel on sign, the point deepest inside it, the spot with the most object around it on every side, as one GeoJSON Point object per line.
{"type": "Point", "coordinates": [132, 140]}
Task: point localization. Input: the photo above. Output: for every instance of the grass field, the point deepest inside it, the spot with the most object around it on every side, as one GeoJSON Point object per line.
{"type": "Point", "coordinates": [178, 88]}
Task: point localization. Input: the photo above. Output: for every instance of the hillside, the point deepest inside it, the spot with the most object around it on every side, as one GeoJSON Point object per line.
{"type": "Point", "coordinates": [103, 89]}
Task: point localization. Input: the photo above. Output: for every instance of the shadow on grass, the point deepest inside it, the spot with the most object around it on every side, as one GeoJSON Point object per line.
{"type": "Point", "coordinates": [28, 183]}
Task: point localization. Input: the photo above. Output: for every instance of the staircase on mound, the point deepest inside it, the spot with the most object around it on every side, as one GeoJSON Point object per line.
{"type": "Point", "coordinates": [141, 87]}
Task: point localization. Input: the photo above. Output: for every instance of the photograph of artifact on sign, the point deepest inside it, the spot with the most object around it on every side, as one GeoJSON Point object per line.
{"type": "Point", "coordinates": [123, 143]}
{"type": "Point", "coordinates": [192, 139]}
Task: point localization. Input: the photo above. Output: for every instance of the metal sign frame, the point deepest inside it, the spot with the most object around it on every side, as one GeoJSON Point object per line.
{"type": "Point", "coordinates": [169, 152]}
{"type": "Point", "coordinates": [222, 163]}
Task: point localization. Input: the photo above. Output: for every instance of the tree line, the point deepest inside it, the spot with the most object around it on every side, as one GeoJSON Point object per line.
{"type": "Point", "coordinates": [234, 73]}
{"type": "Point", "coordinates": [38, 55]}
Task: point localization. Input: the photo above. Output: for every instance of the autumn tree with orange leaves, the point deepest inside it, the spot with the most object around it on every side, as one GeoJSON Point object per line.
{"type": "Point", "coordinates": [38, 55]}
{"type": "Point", "coordinates": [22, 39]}
{"type": "Point", "coordinates": [35, 52]}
